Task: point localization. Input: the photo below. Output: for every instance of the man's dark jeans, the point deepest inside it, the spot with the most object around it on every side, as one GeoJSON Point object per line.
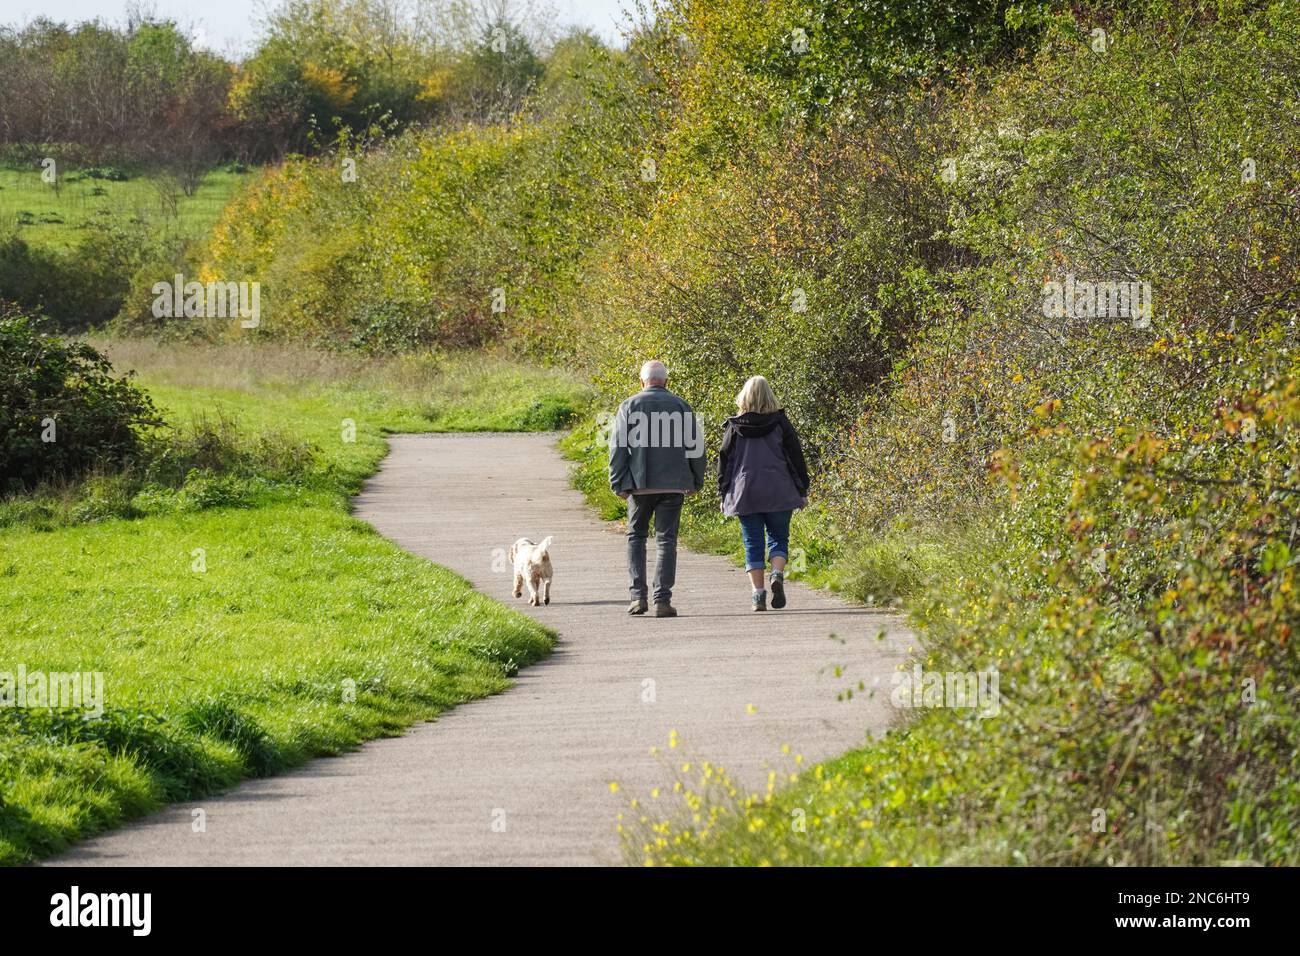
{"type": "Point", "coordinates": [667, 512]}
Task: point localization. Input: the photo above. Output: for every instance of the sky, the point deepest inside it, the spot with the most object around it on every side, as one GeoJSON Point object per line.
{"type": "Point", "coordinates": [229, 26]}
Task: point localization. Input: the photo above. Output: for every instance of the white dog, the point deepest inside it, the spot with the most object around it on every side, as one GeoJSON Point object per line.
{"type": "Point", "coordinates": [532, 563]}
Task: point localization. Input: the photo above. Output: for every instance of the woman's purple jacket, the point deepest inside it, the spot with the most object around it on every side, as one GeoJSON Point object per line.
{"type": "Point", "coordinates": [761, 467]}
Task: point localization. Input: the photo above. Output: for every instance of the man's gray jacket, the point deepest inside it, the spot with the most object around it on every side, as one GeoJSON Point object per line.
{"type": "Point", "coordinates": [657, 444]}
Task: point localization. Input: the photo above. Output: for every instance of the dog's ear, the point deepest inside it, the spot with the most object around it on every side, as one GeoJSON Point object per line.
{"type": "Point", "coordinates": [544, 546]}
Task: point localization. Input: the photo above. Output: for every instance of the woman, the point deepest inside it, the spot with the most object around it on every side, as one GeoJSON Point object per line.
{"type": "Point", "coordinates": [762, 478]}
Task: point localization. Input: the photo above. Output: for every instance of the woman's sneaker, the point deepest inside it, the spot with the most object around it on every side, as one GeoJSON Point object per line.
{"type": "Point", "coordinates": [778, 590]}
{"type": "Point", "coordinates": [760, 600]}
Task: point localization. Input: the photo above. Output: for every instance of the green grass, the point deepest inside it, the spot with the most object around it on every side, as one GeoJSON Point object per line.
{"type": "Point", "coordinates": [54, 218]}
{"type": "Point", "coordinates": [238, 664]}
{"type": "Point", "coordinates": [418, 392]}
{"type": "Point", "coordinates": [480, 393]}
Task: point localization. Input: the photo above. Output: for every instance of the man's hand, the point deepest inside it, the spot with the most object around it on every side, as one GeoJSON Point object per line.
{"type": "Point", "coordinates": [623, 494]}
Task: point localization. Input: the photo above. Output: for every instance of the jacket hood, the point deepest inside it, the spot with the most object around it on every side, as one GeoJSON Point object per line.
{"type": "Point", "coordinates": [756, 424]}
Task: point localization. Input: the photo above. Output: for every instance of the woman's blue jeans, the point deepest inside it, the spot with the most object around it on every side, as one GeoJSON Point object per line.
{"type": "Point", "coordinates": [777, 526]}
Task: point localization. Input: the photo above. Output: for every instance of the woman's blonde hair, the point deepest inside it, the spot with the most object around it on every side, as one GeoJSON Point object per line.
{"type": "Point", "coordinates": [756, 396]}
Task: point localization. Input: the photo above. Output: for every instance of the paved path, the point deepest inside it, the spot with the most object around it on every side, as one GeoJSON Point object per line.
{"type": "Point", "coordinates": [541, 755]}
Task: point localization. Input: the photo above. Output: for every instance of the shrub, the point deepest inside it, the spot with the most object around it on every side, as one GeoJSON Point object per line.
{"type": "Point", "coordinates": [78, 288]}
{"type": "Point", "coordinates": [62, 410]}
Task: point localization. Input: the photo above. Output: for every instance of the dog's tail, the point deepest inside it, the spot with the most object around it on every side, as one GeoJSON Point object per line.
{"type": "Point", "coordinates": [543, 547]}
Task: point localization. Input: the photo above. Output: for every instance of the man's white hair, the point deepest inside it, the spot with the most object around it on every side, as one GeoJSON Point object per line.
{"type": "Point", "coordinates": [654, 371]}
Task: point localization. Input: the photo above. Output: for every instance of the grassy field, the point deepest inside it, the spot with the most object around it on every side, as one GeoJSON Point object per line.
{"type": "Point", "coordinates": [242, 620]}
{"type": "Point", "coordinates": [54, 217]}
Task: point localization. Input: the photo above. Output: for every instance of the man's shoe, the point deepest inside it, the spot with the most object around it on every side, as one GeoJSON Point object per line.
{"type": "Point", "coordinates": [664, 609]}
{"type": "Point", "coordinates": [638, 606]}
{"type": "Point", "coordinates": [760, 600]}
{"type": "Point", "coordinates": [778, 591]}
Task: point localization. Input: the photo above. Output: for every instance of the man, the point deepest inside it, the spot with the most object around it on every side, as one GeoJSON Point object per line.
{"type": "Point", "coordinates": [656, 458]}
